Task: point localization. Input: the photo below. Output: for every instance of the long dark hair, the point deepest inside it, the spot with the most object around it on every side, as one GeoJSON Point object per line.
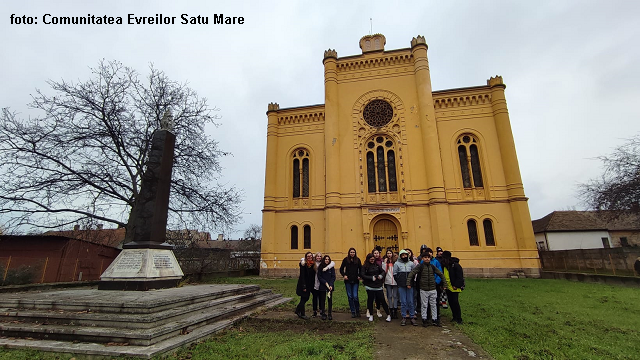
{"type": "Point", "coordinates": [389, 260]}
{"type": "Point", "coordinates": [323, 264]}
{"type": "Point", "coordinates": [367, 264]}
{"type": "Point", "coordinates": [355, 256]}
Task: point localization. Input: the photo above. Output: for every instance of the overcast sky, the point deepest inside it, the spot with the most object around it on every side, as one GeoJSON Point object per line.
{"type": "Point", "coordinates": [572, 69]}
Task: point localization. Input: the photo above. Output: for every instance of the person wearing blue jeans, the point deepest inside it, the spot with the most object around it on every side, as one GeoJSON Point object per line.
{"type": "Point", "coordinates": [350, 271]}
{"type": "Point", "coordinates": [401, 270]}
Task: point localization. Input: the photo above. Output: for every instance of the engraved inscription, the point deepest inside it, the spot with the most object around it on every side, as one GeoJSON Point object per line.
{"type": "Point", "coordinates": [162, 261]}
{"type": "Point", "coordinates": [130, 261]}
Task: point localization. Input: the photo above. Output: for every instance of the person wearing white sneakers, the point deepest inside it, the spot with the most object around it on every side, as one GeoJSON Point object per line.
{"type": "Point", "coordinates": [373, 280]}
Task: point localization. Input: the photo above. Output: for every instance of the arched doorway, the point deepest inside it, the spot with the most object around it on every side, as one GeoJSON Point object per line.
{"type": "Point", "coordinates": [385, 235]}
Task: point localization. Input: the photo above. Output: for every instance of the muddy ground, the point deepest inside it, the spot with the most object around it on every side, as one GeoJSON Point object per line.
{"type": "Point", "coordinates": [399, 342]}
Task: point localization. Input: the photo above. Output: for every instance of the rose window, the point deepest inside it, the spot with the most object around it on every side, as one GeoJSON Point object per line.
{"type": "Point", "coordinates": [378, 113]}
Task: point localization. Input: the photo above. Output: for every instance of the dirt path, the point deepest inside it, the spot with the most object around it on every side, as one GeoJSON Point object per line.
{"type": "Point", "coordinates": [409, 342]}
{"type": "Point", "coordinates": [416, 342]}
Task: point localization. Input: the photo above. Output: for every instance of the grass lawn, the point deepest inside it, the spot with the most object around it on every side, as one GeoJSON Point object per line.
{"type": "Point", "coordinates": [530, 318]}
{"type": "Point", "coordinates": [510, 318]}
{"type": "Point", "coordinates": [552, 319]}
{"type": "Point", "coordinates": [286, 339]}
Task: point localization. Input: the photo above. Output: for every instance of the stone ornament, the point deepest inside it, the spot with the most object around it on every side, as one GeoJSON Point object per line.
{"type": "Point", "coordinates": [330, 53]}
{"type": "Point", "coordinates": [373, 42]}
{"type": "Point", "coordinates": [418, 40]}
{"type": "Point", "coordinates": [167, 121]}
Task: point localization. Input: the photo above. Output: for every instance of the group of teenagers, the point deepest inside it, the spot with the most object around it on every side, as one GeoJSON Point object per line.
{"type": "Point", "coordinates": [420, 285]}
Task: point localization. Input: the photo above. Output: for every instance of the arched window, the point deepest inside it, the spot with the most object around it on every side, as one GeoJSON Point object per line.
{"type": "Point", "coordinates": [381, 165]}
{"type": "Point", "coordinates": [300, 173]}
{"type": "Point", "coordinates": [294, 237]}
{"type": "Point", "coordinates": [307, 237]}
{"type": "Point", "coordinates": [371, 172]}
{"type": "Point", "coordinates": [469, 161]}
{"type": "Point", "coordinates": [472, 227]}
{"type": "Point", "coordinates": [488, 232]}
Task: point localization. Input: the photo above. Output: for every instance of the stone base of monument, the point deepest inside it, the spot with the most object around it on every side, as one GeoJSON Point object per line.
{"type": "Point", "coordinates": [142, 269]}
{"type": "Point", "coordinates": [143, 324]}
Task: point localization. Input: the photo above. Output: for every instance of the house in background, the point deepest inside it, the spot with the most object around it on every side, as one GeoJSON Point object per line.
{"type": "Point", "coordinates": [98, 235]}
{"type": "Point", "coordinates": [567, 230]}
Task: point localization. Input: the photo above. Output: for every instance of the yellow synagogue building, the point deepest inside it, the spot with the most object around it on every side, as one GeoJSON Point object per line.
{"type": "Point", "coordinates": [388, 161]}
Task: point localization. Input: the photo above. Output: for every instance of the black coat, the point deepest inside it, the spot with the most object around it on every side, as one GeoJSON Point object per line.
{"type": "Point", "coordinates": [351, 269]}
{"type": "Point", "coordinates": [306, 280]}
{"type": "Point", "coordinates": [326, 277]}
{"type": "Point", "coordinates": [370, 274]}
{"type": "Point", "coordinates": [456, 275]}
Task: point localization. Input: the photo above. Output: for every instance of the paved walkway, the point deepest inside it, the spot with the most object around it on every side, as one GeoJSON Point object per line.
{"type": "Point", "coordinates": [410, 342]}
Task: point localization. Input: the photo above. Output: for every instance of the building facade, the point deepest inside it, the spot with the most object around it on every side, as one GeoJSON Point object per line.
{"type": "Point", "coordinates": [387, 161]}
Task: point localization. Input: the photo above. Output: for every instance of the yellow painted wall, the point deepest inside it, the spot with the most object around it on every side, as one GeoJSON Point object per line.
{"type": "Point", "coordinates": [431, 206]}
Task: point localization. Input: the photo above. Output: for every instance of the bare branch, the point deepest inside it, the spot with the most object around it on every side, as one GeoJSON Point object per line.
{"type": "Point", "coordinates": [84, 155]}
{"type": "Point", "coordinates": [618, 188]}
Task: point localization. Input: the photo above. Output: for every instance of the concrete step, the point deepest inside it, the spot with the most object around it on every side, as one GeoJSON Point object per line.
{"type": "Point", "coordinates": [121, 320]}
{"type": "Point", "coordinates": [104, 301]}
{"type": "Point", "coordinates": [138, 335]}
{"type": "Point", "coordinates": [147, 352]}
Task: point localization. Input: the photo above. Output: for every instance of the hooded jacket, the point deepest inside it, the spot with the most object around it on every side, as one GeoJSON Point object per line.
{"type": "Point", "coordinates": [427, 278]}
{"type": "Point", "coordinates": [389, 279]}
{"type": "Point", "coordinates": [400, 271]}
{"type": "Point", "coordinates": [456, 275]}
{"type": "Point", "coordinates": [437, 264]}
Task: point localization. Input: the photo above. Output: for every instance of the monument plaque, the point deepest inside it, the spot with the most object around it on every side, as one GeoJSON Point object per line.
{"type": "Point", "coordinates": [147, 261]}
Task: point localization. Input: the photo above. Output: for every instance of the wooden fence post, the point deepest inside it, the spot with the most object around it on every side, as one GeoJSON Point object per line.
{"type": "Point", "coordinates": [612, 266]}
{"type": "Point", "coordinates": [6, 269]}
{"type": "Point", "coordinates": [578, 262]}
{"type": "Point", "coordinates": [101, 264]}
{"type": "Point", "coordinates": [73, 278]}
{"type": "Point", "coordinates": [44, 271]}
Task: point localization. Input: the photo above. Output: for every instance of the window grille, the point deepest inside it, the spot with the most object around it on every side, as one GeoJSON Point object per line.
{"type": "Point", "coordinates": [294, 237]}
{"type": "Point", "coordinates": [377, 113]}
{"type": "Point", "coordinates": [307, 237]}
{"type": "Point", "coordinates": [472, 227]}
{"type": "Point", "coordinates": [488, 232]}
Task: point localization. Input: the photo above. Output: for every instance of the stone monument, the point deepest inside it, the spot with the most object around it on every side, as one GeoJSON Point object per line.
{"type": "Point", "coordinates": [147, 261]}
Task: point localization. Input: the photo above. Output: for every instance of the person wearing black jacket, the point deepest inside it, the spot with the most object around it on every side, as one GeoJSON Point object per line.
{"type": "Point", "coordinates": [327, 278]}
{"type": "Point", "coordinates": [350, 271]}
{"type": "Point", "coordinates": [306, 282]}
{"type": "Point", "coordinates": [373, 280]}
{"type": "Point", "coordinates": [454, 279]}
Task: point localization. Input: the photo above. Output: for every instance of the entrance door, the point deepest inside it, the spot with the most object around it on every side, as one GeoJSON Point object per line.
{"type": "Point", "coordinates": [385, 235]}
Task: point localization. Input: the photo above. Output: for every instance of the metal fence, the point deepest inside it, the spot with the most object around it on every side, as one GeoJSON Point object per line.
{"type": "Point", "coordinates": [613, 261]}
{"type": "Point", "coordinates": [27, 270]}
{"type": "Point", "coordinates": [31, 270]}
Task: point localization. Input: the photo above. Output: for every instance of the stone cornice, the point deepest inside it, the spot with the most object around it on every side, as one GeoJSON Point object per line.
{"type": "Point", "coordinates": [445, 101]}
{"type": "Point", "coordinates": [301, 118]}
{"type": "Point", "coordinates": [374, 62]}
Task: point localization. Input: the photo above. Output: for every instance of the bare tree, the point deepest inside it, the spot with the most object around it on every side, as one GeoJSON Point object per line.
{"type": "Point", "coordinates": [618, 188]}
{"type": "Point", "coordinates": [84, 157]}
{"type": "Point", "coordinates": [253, 232]}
